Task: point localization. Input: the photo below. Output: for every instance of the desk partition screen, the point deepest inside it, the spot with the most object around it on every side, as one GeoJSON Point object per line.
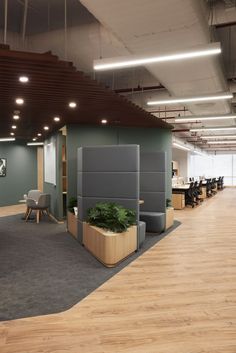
{"type": "Point", "coordinates": [153, 181]}
{"type": "Point", "coordinates": [107, 174]}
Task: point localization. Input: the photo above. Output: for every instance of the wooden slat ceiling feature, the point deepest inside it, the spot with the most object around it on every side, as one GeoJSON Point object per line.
{"type": "Point", "coordinates": [52, 85]}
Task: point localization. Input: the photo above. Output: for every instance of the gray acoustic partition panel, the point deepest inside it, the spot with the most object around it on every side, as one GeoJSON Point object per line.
{"type": "Point", "coordinates": [153, 181]}
{"type": "Point", "coordinates": [107, 174]}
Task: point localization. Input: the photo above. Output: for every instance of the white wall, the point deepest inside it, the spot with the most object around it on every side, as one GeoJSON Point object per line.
{"type": "Point", "coordinates": [214, 166]}
{"type": "Point", "coordinates": [182, 157]}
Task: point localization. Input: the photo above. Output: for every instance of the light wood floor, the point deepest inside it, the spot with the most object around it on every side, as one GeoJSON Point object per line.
{"type": "Point", "coordinates": [178, 297]}
{"type": "Point", "coordinates": [12, 210]}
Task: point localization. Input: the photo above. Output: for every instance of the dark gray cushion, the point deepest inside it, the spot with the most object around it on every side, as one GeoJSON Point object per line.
{"type": "Point", "coordinates": [109, 184]}
{"type": "Point", "coordinates": [153, 161]}
{"type": "Point", "coordinates": [155, 221]}
{"type": "Point", "coordinates": [116, 158]}
{"type": "Point", "coordinates": [153, 202]}
{"type": "Point", "coordinates": [152, 182]}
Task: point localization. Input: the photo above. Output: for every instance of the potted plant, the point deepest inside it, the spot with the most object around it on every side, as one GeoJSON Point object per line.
{"type": "Point", "coordinates": [72, 226]}
{"type": "Point", "coordinates": [168, 203]}
{"type": "Point", "coordinates": [110, 232]}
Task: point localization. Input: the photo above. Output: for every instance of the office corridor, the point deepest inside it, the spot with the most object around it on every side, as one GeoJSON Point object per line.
{"type": "Point", "coordinates": [178, 297]}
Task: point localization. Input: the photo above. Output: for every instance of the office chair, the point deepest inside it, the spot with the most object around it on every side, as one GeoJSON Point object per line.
{"type": "Point", "coordinates": [208, 188]}
{"type": "Point", "coordinates": [198, 191]}
{"type": "Point", "coordinates": [222, 183]}
{"type": "Point", "coordinates": [213, 186]}
{"type": "Point", "coordinates": [42, 205]}
{"type": "Point", "coordinates": [219, 183]}
{"type": "Point", "coordinates": [190, 196]}
{"type": "Point", "coordinates": [33, 194]}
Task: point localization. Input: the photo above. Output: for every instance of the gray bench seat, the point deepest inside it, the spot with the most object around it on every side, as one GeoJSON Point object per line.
{"type": "Point", "coordinates": [155, 221]}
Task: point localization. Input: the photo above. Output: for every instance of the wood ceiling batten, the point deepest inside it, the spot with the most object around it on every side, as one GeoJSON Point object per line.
{"type": "Point", "coordinates": [53, 83]}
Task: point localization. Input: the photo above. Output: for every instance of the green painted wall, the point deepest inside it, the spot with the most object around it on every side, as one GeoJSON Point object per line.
{"type": "Point", "coordinates": [21, 172]}
{"type": "Point", "coordinates": [149, 139]}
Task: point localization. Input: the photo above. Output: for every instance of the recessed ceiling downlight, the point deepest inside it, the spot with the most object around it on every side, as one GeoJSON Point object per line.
{"type": "Point", "coordinates": [19, 101]}
{"type": "Point", "coordinates": [72, 105]}
{"type": "Point", "coordinates": [23, 79]}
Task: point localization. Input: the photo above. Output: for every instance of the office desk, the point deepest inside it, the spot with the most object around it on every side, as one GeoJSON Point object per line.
{"type": "Point", "coordinates": [178, 196]}
{"type": "Point", "coordinates": [180, 187]}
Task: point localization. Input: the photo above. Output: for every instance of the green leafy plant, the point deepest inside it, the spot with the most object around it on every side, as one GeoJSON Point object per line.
{"type": "Point", "coordinates": [111, 216]}
{"type": "Point", "coordinates": [71, 204]}
{"type": "Point", "coordinates": [168, 203]}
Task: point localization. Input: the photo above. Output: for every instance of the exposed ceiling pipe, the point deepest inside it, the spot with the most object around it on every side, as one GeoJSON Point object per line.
{"type": "Point", "coordinates": [181, 130]}
{"type": "Point", "coordinates": [139, 89]}
{"type": "Point", "coordinates": [24, 21]}
{"type": "Point", "coordinates": [167, 117]}
{"type": "Point", "coordinates": [228, 24]}
{"type": "Point", "coordinates": [5, 21]}
{"type": "Point", "coordinates": [223, 15]}
{"type": "Point", "coordinates": [65, 31]}
{"type": "Point", "coordinates": [168, 111]}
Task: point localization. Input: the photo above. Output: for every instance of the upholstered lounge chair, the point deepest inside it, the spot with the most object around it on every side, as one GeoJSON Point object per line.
{"type": "Point", "coordinates": [39, 206]}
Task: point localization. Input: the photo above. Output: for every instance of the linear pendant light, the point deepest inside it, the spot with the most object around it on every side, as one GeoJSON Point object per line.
{"type": "Point", "coordinates": [218, 137]}
{"type": "Point", "coordinates": [178, 145]}
{"type": "Point", "coordinates": [35, 144]}
{"type": "Point", "coordinates": [137, 60]}
{"type": "Point", "coordinates": [215, 97]}
{"type": "Point", "coordinates": [215, 128]}
{"type": "Point", "coordinates": [203, 118]}
{"type": "Point", "coordinates": [7, 139]}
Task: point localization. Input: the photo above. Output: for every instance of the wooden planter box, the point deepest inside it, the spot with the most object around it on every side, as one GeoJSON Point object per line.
{"type": "Point", "coordinates": [108, 247]}
{"type": "Point", "coordinates": [72, 224]}
{"type": "Point", "coordinates": [169, 217]}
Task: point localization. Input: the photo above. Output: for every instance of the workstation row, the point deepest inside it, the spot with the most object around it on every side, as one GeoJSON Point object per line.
{"type": "Point", "coordinates": [193, 193]}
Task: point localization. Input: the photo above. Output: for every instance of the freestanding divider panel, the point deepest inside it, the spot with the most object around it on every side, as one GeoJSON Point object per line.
{"type": "Point", "coordinates": [107, 174]}
{"type": "Point", "coordinates": [153, 186]}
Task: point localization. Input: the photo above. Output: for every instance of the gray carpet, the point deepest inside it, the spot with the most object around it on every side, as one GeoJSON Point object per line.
{"type": "Point", "coordinates": [44, 270]}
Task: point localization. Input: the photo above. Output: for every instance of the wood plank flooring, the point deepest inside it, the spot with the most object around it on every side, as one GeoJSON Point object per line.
{"type": "Point", "coordinates": [12, 210]}
{"type": "Point", "coordinates": [178, 297]}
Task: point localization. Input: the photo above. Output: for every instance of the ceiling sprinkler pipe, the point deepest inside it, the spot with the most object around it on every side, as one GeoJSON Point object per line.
{"type": "Point", "coordinates": [181, 130]}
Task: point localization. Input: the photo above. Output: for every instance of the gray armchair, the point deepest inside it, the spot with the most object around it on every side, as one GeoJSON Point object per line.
{"type": "Point", "coordinates": [39, 206]}
{"type": "Point", "coordinates": [33, 194]}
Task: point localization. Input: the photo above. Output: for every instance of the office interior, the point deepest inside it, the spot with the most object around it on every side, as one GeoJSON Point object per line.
{"type": "Point", "coordinates": [117, 176]}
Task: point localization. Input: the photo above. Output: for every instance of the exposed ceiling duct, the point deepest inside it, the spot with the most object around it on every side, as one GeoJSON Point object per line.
{"type": "Point", "coordinates": [184, 27]}
{"type": "Point", "coordinates": [222, 13]}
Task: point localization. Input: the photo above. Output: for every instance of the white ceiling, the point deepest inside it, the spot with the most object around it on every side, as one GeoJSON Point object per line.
{"type": "Point", "coordinates": [171, 25]}
{"type": "Point", "coordinates": [167, 25]}
{"type": "Point", "coordinates": [107, 28]}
